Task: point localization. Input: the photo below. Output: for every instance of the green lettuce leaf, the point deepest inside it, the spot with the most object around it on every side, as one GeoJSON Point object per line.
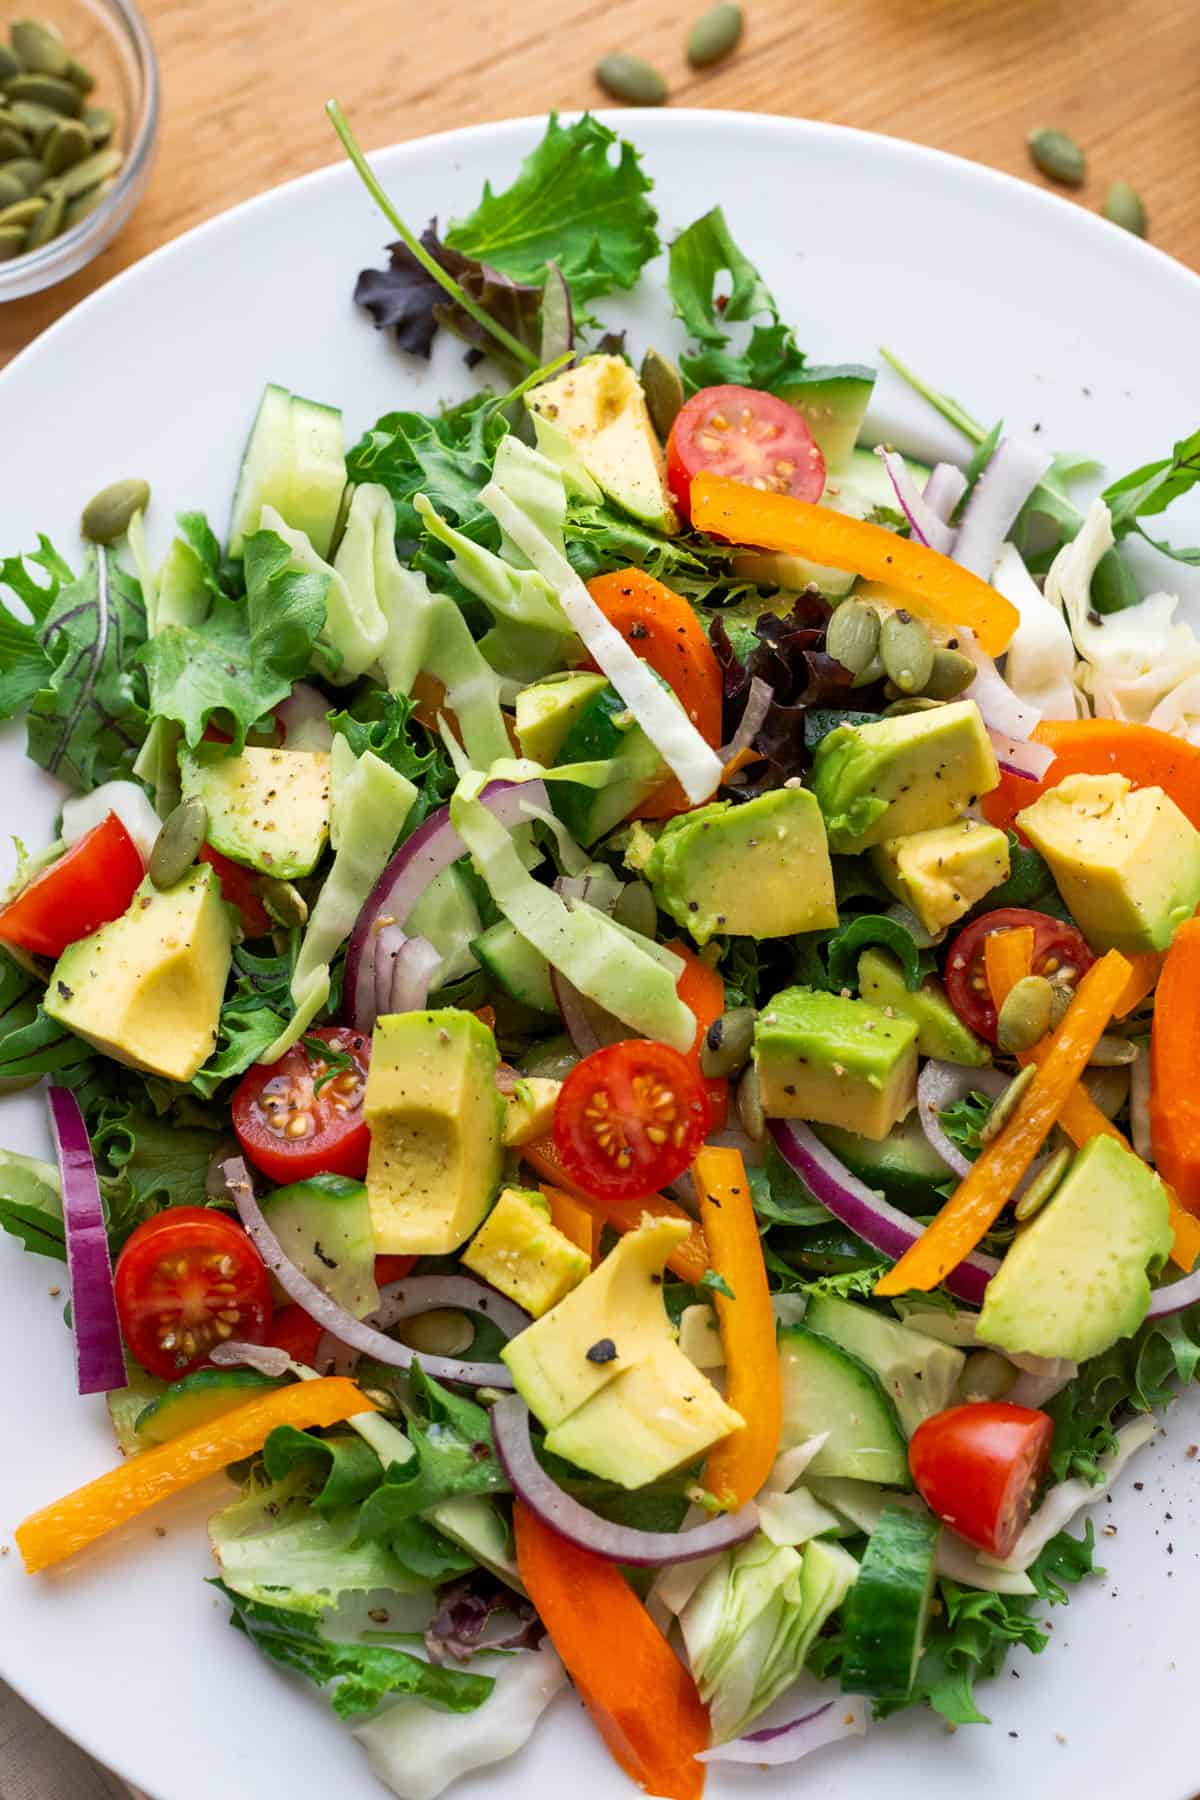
{"type": "Point", "coordinates": [447, 458]}
{"type": "Point", "coordinates": [1138, 1373]}
{"type": "Point", "coordinates": [40, 1046]}
{"type": "Point", "coordinates": [31, 1205]}
{"type": "Point", "coordinates": [24, 665]}
{"type": "Point", "coordinates": [963, 1122]}
{"type": "Point", "coordinates": [699, 258]}
{"type": "Point", "coordinates": [342, 1467]}
{"type": "Point", "coordinates": [147, 1163]}
{"type": "Point", "coordinates": [1150, 490]}
{"type": "Point", "coordinates": [454, 1455]}
{"type": "Point", "coordinates": [381, 722]}
{"type": "Point", "coordinates": [252, 1017]}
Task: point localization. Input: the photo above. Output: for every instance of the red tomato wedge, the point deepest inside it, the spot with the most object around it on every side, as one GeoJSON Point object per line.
{"type": "Point", "coordinates": [1057, 947]}
{"type": "Point", "coordinates": [302, 1115]}
{"type": "Point", "coordinates": [747, 436]}
{"type": "Point", "coordinates": [89, 886]}
{"type": "Point", "coordinates": [187, 1280]}
{"type": "Point", "coordinates": [239, 887]}
{"type": "Point", "coordinates": [979, 1467]}
{"type": "Point", "coordinates": [629, 1119]}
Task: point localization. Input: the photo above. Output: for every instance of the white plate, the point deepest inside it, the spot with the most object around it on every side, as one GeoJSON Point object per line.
{"type": "Point", "coordinates": [1012, 300]}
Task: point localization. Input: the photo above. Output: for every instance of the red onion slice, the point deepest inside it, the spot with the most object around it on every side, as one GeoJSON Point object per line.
{"type": "Point", "coordinates": [1021, 757]}
{"type": "Point", "coordinates": [1000, 709]}
{"type": "Point", "coordinates": [944, 489]}
{"type": "Point", "coordinates": [616, 1543]}
{"type": "Point", "coordinates": [1175, 1297]}
{"type": "Point", "coordinates": [418, 1294]}
{"type": "Point", "coordinates": [355, 1333]}
{"type": "Point", "coordinates": [864, 1212]}
{"type": "Point", "coordinates": [998, 496]}
{"type": "Point", "coordinates": [759, 702]}
{"type": "Point", "coordinates": [587, 1025]}
{"type": "Point", "coordinates": [927, 527]}
{"type": "Point", "coordinates": [845, 1715]}
{"type": "Point", "coordinates": [304, 719]}
{"type": "Point", "coordinates": [99, 1357]}
{"type": "Point", "coordinates": [940, 1085]}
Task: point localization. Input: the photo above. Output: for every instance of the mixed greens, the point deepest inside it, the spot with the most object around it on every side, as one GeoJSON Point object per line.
{"type": "Point", "coordinates": [617, 976]}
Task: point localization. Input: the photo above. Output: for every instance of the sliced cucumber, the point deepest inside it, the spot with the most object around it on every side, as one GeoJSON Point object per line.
{"type": "Point", "coordinates": [902, 1165]}
{"type": "Point", "coordinates": [266, 466]}
{"type": "Point", "coordinates": [294, 461]}
{"type": "Point", "coordinates": [919, 1374]}
{"type": "Point", "coordinates": [887, 1609]}
{"type": "Point", "coordinates": [198, 1398]}
{"type": "Point", "coordinates": [324, 1225]}
{"type": "Point", "coordinates": [832, 401]}
{"type": "Point", "coordinates": [516, 966]}
{"type": "Point", "coordinates": [825, 1389]}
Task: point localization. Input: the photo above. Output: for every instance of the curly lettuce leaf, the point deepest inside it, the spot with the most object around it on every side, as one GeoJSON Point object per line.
{"type": "Point", "coordinates": [31, 1204]}
{"type": "Point", "coordinates": [252, 1017]}
{"type": "Point", "coordinates": [24, 665]}
{"type": "Point", "coordinates": [700, 258]}
{"type": "Point", "coordinates": [1138, 1373]}
{"type": "Point", "coordinates": [448, 458]}
{"type": "Point", "coordinates": [146, 1163]}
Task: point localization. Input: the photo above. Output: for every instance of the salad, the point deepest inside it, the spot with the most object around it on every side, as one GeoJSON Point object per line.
{"type": "Point", "coordinates": [617, 981]}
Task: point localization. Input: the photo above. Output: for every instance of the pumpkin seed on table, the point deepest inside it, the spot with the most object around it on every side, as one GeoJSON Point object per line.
{"type": "Point", "coordinates": [714, 35]}
{"type": "Point", "coordinates": [1006, 1104]}
{"type": "Point", "coordinates": [727, 1043]}
{"type": "Point", "coordinates": [662, 385]}
{"type": "Point", "coordinates": [46, 90]}
{"type": "Point", "coordinates": [1058, 156]}
{"type": "Point", "coordinates": [1044, 1183]}
{"type": "Point", "coordinates": [178, 843]}
{"type": "Point", "coordinates": [1024, 1019]}
{"type": "Point", "coordinates": [906, 651]}
{"type": "Point", "coordinates": [630, 79]}
{"type": "Point", "coordinates": [852, 636]}
{"type": "Point", "coordinates": [1123, 206]}
{"type": "Point", "coordinates": [951, 674]}
{"type": "Point", "coordinates": [107, 514]}
{"type": "Point", "coordinates": [38, 47]}
{"type": "Point", "coordinates": [67, 145]}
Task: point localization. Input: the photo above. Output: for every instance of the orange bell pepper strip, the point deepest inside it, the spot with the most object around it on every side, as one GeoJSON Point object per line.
{"type": "Point", "coordinates": [740, 760]}
{"type": "Point", "coordinates": [933, 584]}
{"type": "Point", "coordinates": [1007, 959]}
{"type": "Point", "coordinates": [1149, 758]}
{"type": "Point", "coordinates": [689, 1260]}
{"type": "Point", "coordinates": [59, 1530]}
{"type": "Point", "coordinates": [642, 1700]}
{"type": "Point", "coordinates": [575, 1220]}
{"type": "Point", "coordinates": [702, 991]}
{"type": "Point", "coordinates": [1146, 967]}
{"type": "Point", "coordinates": [662, 628]}
{"type": "Point", "coordinates": [740, 1463]}
{"type": "Point", "coordinates": [979, 1198]}
{"type": "Point", "coordinates": [1175, 1068]}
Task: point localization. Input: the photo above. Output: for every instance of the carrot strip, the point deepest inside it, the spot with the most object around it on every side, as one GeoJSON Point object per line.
{"type": "Point", "coordinates": [740, 1463]}
{"type": "Point", "coordinates": [702, 991]}
{"type": "Point", "coordinates": [1007, 959]}
{"type": "Point", "coordinates": [689, 1260]}
{"type": "Point", "coordinates": [575, 1220]}
{"type": "Point", "coordinates": [1175, 1068]}
{"type": "Point", "coordinates": [1146, 966]}
{"type": "Point", "coordinates": [980, 1197]}
{"type": "Point", "coordinates": [78, 1519]}
{"type": "Point", "coordinates": [1149, 758]}
{"type": "Point", "coordinates": [934, 584]}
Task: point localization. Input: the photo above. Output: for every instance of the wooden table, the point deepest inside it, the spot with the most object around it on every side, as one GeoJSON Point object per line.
{"type": "Point", "coordinates": [243, 86]}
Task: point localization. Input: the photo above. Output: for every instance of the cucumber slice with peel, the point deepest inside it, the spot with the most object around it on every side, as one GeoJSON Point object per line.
{"type": "Point", "coordinates": [887, 1609]}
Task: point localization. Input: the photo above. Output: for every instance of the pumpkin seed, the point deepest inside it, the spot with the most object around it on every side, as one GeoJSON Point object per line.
{"type": "Point", "coordinates": [1109, 1088]}
{"type": "Point", "coordinates": [714, 35]}
{"type": "Point", "coordinates": [636, 909]}
{"type": "Point", "coordinates": [79, 76]}
{"type": "Point", "coordinates": [9, 66]}
{"type": "Point", "coordinates": [23, 212]}
{"type": "Point", "coordinates": [67, 145]}
{"type": "Point", "coordinates": [99, 123]}
{"type": "Point", "coordinates": [728, 1042]}
{"type": "Point", "coordinates": [1111, 1052]}
{"type": "Point", "coordinates": [12, 142]}
{"type": "Point", "coordinates": [852, 636]}
{"type": "Point", "coordinates": [443, 1331]}
{"type": "Point", "coordinates": [107, 514]}
{"type": "Point", "coordinates": [12, 241]}
{"type": "Point", "coordinates": [630, 79]}
{"type": "Point", "coordinates": [906, 650]}
{"type": "Point", "coordinates": [27, 170]}
{"type": "Point", "coordinates": [1123, 205]}
{"type": "Point", "coordinates": [87, 203]}
{"type": "Point", "coordinates": [90, 172]}
{"type": "Point", "coordinates": [12, 188]}
{"type": "Point", "coordinates": [1061, 996]}
{"type": "Point", "coordinates": [48, 224]}
{"type": "Point", "coordinates": [913, 703]}
{"type": "Point", "coordinates": [36, 121]}
{"type": "Point", "coordinates": [750, 1106]}
{"type": "Point", "coordinates": [38, 47]}
{"type": "Point", "coordinates": [1044, 1184]}
{"type": "Point", "coordinates": [1058, 156]}
{"type": "Point", "coordinates": [952, 672]}
{"type": "Point", "coordinates": [662, 385]}
{"type": "Point", "coordinates": [986, 1376]}
{"type": "Point", "coordinates": [46, 90]}
{"type": "Point", "coordinates": [284, 901]}
{"type": "Point", "coordinates": [178, 843]}
{"type": "Point", "coordinates": [1006, 1104]}
{"type": "Point", "coordinates": [1024, 1019]}
{"type": "Point", "coordinates": [870, 675]}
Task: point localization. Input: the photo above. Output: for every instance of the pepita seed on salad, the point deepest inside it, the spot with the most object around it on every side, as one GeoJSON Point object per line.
{"type": "Point", "coordinates": [572, 927]}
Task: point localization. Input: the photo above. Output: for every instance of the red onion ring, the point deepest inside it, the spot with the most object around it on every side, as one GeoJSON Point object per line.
{"type": "Point", "coordinates": [1021, 756]}
{"type": "Point", "coordinates": [418, 1294]}
{"type": "Point", "coordinates": [999, 494]}
{"type": "Point", "coordinates": [940, 1085]}
{"type": "Point", "coordinates": [928, 527]}
{"type": "Point", "coordinates": [944, 489]}
{"type": "Point", "coordinates": [99, 1356]}
{"type": "Point", "coordinates": [759, 702]}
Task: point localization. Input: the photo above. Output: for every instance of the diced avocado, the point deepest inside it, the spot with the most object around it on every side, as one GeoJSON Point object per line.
{"type": "Point", "coordinates": [919, 1374]}
{"type": "Point", "coordinates": [604, 729]}
{"type": "Point", "coordinates": [514, 965]}
{"type": "Point", "coordinates": [1075, 1279]}
{"type": "Point", "coordinates": [529, 1110]}
{"type": "Point", "coordinates": [941, 873]}
{"type": "Point", "coordinates": [832, 401]}
{"type": "Point", "coordinates": [840, 1061]}
{"type": "Point", "coordinates": [546, 711]}
{"type": "Point", "coordinates": [827, 1389]}
{"type": "Point", "coordinates": [198, 1398]}
{"type": "Point", "coordinates": [435, 1119]}
{"type": "Point", "coordinates": [603, 1373]}
{"type": "Point", "coordinates": [902, 775]}
{"type": "Point", "coordinates": [758, 870]}
{"type": "Point", "coordinates": [147, 988]}
{"type": "Point", "coordinates": [523, 1255]}
{"type": "Point", "coordinates": [904, 1166]}
{"type": "Point", "coordinates": [266, 808]}
{"type": "Point", "coordinates": [1125, 860]}
{"type": "Point", "coordinates": [599, 404]}
{"type": "Point", "coordinates": [448, 916]}
{"type": "Point", "coordinates": [778, 569]}
{"type": "Point", "coordinates": [294, 461]}
{"type": "Point", "coordinates": [324, 1226]}
{"type": "Point", "coordinates": [941, 1031]}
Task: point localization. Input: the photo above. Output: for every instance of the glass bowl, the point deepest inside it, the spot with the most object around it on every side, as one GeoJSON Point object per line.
{"type": "Point", "coordinates": [110, 38]}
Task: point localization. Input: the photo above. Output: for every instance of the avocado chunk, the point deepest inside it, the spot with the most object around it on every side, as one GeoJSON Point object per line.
{"type": "Point", "coordinates": [435, 1119]}
{"type": "Point", "coordinates": [1075, 1280]}
{"type": "Point", "coordinates": [600, 406]}
{"type": "Point", "coordinates": [529, 1110]}
{"type": "Point", "coordinates": [902, 775]}
{"type": "Point", "coordinates": [604, 1374]}
{"type": "Point", "coordinates": [941, 873]}
{"type": "Point", "coordinates": [758, 870]}
{"type": "Point", "coordinates": [546, 711]}
{"type": "Point", "coordinates": [832, 401]}
{"type": "Point", "coordinates": [941, 1032]}
{"type": "Point", "coordinates": [324, 1226]}
{"type": "Point", "coordinates": [266, 808]}
{"type": "Point", "coordinates": [839, 1061]}
{"type": "Point", "coordinates": [1125, 860]}
{"type": "Point", "coordinates": [147, 988]}
{"type": "Point", "coordinates": [523, 1255]}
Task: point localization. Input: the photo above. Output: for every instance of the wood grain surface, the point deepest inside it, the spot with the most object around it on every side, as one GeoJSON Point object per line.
{"type": "Point", "coordinates": [244, 82]}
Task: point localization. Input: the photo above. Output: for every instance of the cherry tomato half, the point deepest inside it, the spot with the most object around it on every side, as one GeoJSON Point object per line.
{"type": "Point", "coordinates": [1059, 952]}
{"type": "Point", "coordinates": [239, 888]}
{"type": "Point", "coordinates": [90, 885]}
{"type": "Point", "coordinates": [189, 1279]}
{"type": "Point", "coordinates": [750, 436]}
{"type": "Point", "coordinates": [302, 1116]}
{"type": "Point", "coordinates": [979, 1467]}
{"type": "Point", "coordinates": [629, 1119]}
